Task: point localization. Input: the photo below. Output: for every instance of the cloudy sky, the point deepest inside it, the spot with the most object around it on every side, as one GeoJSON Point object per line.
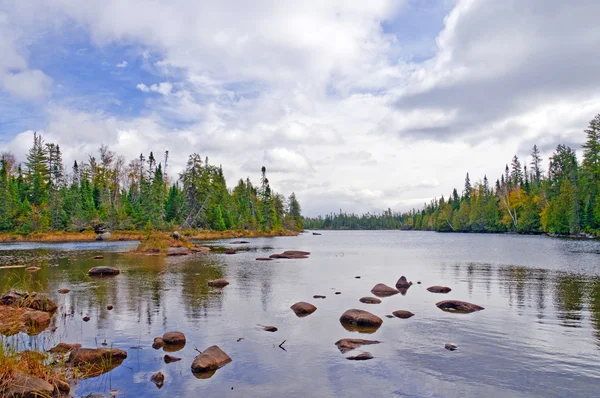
{"type": "Point", "coordinates": [352, 104]}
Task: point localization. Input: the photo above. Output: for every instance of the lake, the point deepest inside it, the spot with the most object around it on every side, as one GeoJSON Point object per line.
{"type": "Point", "coordinates": [539, 335]}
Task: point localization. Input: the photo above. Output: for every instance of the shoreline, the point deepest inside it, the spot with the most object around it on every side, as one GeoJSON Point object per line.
{"type": "Point", "coordinates": [90, 236]}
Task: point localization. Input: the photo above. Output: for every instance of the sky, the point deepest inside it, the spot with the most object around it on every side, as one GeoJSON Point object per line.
{"type": "Point", "coordinates": [353, 105]}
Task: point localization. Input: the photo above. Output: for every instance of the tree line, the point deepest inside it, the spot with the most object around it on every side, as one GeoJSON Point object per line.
{"type": "Point", "coordinates": [525, 199]}
{"type": "Point", "coordinates": [39, 195]}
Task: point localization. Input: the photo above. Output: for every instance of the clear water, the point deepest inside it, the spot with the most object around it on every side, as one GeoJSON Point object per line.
{"type": "Point", "coordinates": [539, 335]}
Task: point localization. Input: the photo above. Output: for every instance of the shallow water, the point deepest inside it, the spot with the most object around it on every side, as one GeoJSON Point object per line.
{"type": "Point", "coordinates": [539, 334]}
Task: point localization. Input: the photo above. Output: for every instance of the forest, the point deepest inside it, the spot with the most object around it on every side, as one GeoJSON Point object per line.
{"type": "Point", "coordinates": [39, 195]}
{"type": "Point", "coordinates": [525, 199]}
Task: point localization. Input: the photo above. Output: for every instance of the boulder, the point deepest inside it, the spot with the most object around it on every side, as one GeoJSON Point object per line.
{"type": "Point", "coordinates": [158, 343]}
{"type": "Point", "coordinates": [170, 358]}
{"type": "Point", "coordinates": [382, 290]}
{"type": "Point", "coordinates": [103, 271]}
{"type": "Point", "coordinates": [360, 318]}
{"type": "Point", "coordinates": [63, 348]}
{"type": "Point", "coordinates": [450, 347]}
{"type": "Point", "coordinates": [103, 237]}
{"type": "Point", "coordinates": [270, 329]}
{"type": "Point", "coordinates": [32, 269]}
{"type": "Point", "coordinates": [303, 308]}
{"type": "Point", "coordinates": [210, 359]}
{"type": "Point", "coordinates": [93, 362]}
{"type": "Point", "coordinates": [402, 314]}
{"type": "Point", "coordinates": [403, 283]}
{"type": "Point", "coordinates": [361, 357]}
{"type": "Point", "coordinates": [174, 338]}
{"type": "Point", "coordinates": [178, 251]}
{"type": "Point", "coordinates": [264, 259]}
{"type": "Point", "coordinates": [370, 300]}
{"type": "Point", "coordinates": [158, 379]}
{"type": "Point", "coordinates": [218, 283]}
{"type": "Point", "coordinates": [458, 306]}
{"type": "Point", "coordinates": [345, 345]}
{"type": "Point", "coordinates": [439, 289]}
{"type": "Point", "coordinates": [63, 291]}
{"type": "Point", "coordinates": [24, 385]}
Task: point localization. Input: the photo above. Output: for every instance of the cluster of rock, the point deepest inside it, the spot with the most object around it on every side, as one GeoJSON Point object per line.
{"type": "Point", "coordinates": [25, 312]}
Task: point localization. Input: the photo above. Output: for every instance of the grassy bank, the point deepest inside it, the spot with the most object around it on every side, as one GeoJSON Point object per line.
{"type": "Point", "coordinates": [89, 236]}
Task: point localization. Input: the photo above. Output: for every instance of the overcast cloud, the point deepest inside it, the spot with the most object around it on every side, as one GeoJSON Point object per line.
{"type": "Point", "coordinates": [352, 104]}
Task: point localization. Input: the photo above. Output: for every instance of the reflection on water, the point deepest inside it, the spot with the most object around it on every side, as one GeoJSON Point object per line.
{"type": "Point", "coordinates": [539, 334]}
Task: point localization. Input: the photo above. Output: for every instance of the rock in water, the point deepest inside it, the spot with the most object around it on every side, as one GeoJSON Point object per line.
{"type": "Point", "coordinates": [63, 291]}
{"type": "Point", "coordinates": [109, 307]}
{"type": "Point", "coordinates": [86, 318]}
{"type": "Point", "coordinates": [360, 318]}
{"type": "Point", "coordinates": [239, 242]}
{"type": "Point", "coordinates": [24, 385]}
{"type": "Point", "coordinates": [63, 348]}
{"type": "Point", "coordinates": [158, 379]}
{"type": "Point", "coordinates": [170, 358]}
{"type": "Point", "coordinates": [264, 259]}
{"type": "Point", "coordinates": [212, 358]}
{"type": "Point", "coordinates": [382, 290]}
{"type": "Point", "coordinates": [96, 361]}
{"type": "Point", "coordinates": [230, 251]}
{"type": "Point", "coordinates": [158, 343]}
{"type": "Point", "coordinates": [361, 357]}
{"type": "Point", "coordinates": [35, 301]}
{"type": "Point", "coordinates": [450, 347]}
{"type": "Point", "coordinates": [458, 306]}
{"type": "Point", "coordinates": [103, 271]}
{"type": "Point", "coordinates": [178, 251]}
{"type": "Point", "coordinates": [302, 308]}
{"type": "Point", "coordinates": [370, 300]}
{"type": "Point", "coordinates": [270, 329]}
{"type": "Point", "coordinates": [345, 345]}
{"type": "Point", "coordinates": [218, 283]}
{"type": "Point", "coordinates": [403, 283]}
{"type": "Point", "coordinates": [318, 296]}
{"type": "Point", "coordinates": [175, 338]}
{"type": "Point", "coordinates": [296, 253]}
{"type": "Point", "coordinates": [402, 314]}
{"type": "Point", "coordinates": [439, 289]}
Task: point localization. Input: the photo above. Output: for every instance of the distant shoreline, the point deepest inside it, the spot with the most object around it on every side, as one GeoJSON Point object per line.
{"type": "Point", "coordinates": [90, 236]}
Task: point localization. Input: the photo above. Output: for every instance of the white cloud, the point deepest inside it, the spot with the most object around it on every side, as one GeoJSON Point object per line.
{"type": "Point", "coordinates": [163, 88]}
{"type": "Point", "coordinates": [122, 64]}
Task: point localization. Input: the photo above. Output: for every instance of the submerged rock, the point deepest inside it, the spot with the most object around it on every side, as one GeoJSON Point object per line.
{"type": "Point", "coordinates": [218, 283]}
{"type": "Point", "coordinates": [174, 338]}
{"type": "Point", "coordinates": [210, 359]}
{"type": "Point", "coordinates": [345, 345]}
{"type": "Point", "coordinates": [230, 251]}
{"type": "Point", "coordinates": [382, 290]}
{"type": "Point", "coordinates": [402, 314]}
{"type": "Point", "coordinates": [264, 259]}
{"type": "Point", "coordinates": [361, 357]}
{"type": "Point", "coordinates": [63, 348]}
{"type": "Point", "coordinates": [103, 271]}
{"type": "Point", "coordinates": [93, 362]}
{"type": "Point", "coordinates": [370, 300]}
{"type": "Point", "coordinates": [24, 385]}
{"type": "Point", "coordinates": [439, 289]}
{"type": "Point", "coordinates": [458, 306]}
{"type": "Point", "coordinates": [158, 379]}
{"type": "Point", "coordinates": [403, 283]}
{"type": "Point", "coordinates": [170, 358]}
{"type": "Point", "coordinates": [361, 318]}
{"type": "Point", "coordinates": [303, 308]}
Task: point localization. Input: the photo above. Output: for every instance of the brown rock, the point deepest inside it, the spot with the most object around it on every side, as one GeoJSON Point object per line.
{"type": "Point", "coordinates": [63, 291]}
{"type": "Point", "coordinates": [175, 338]}
{"type": "Point", "coordinates": [103, 271]}
{"type": "Point", "coordinates": [98, 257]}
{"type": "Point", "coordinates": [370, 300]}
{"type": "Point", "coordinates": [178, 251]}
{"type": "Point", "coordinates": [390, 316]}
{"type": "Point", "coordinates": [360, 318]}
{"type": "Point", "coordinates": [458, 306]}
{"type": "Point", "coordinates": [93, 362]}
{"type": "Point", "coordinates": [170, 358]}
{"type": "Point", "coordinates": [24, 385]}
{"type": "Point", "coordinates": [36, 319]}
{"type": "Point", "coordinates": [439, 289]}
{"type": "Point", "coordinates": [63, 387]}
{"type": "Point", "coordinates": [403, 283]}
{"type": "Point", "coordinates": [264, 259]}
{"type": "Point", "coordinates": [450, 346]}
{"type": "Point", "coordinates": [318, 296]}
{"type": "Point", "coordinates": [32, 269]}
{"type": "Point", "coordinates": [86, 318]}
{"type": "Point", "coordinates": [200, 249]}
{"type": "Point", "coordinates": [158, 379]}
{"type": "Point", "coordinates": [382, 290]}
{"type": "Point", "coordinates": [296, 253]}
{"type": "Point", "coordinates": [230, 251]}
{"type": "Point", "coordinates": [303, 308]}
{"type": "Point", "coordinates": [402, 314]}
{"type": "Point", "coordinates": [345, 345]}
{"type": "Point", "coordinates": [158, 343]}
{"type": "Point", "coordinates": [361, 357]}
{"type": "Point", "coordinates": [270, 329]}
{"type": "Point", "coordinates": [289, 255]}
{"type": "Point", "coordinates": [63, 348]}
{"type": "Point", "coordinates": [35, 301]}
{"type": "Point", "coordinates": [210, 359]}
{"type": "Point", "coordinates": [218, 283]}
{"type": "Point", "coordinates": [109, 307]}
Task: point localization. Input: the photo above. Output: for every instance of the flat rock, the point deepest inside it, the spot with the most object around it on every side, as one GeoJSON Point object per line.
{"type": "Point", "coordinates": [174, 338]}
{"type": "Point", "coordinates": [382, 290]}
{"type": "Point", "coordinates": [63, 291]}
{"type": "Point", "coordinates": [296, 253]}
{"type": "Point", "coordinates": [345, 345]}
{"type": "Point", "coordinates": [402, 314]}
{"type": "Point", "coordinates": [178, 251]}
{"type": "Point", "coordinates": [361, 357]}
{"type": "Point", "coordinates": [403, 283]}
{"type": "Point", "coordinates": [303, 308]}
{"type": "Point", "coordinates": [288, 256]}
{"type": "Point", "coordinates": [370, 300]}
{"type": "Point", "coordinates": [360, 318]}
{"type": "Point", "coordinates": [439, 289]}
{"type": "Point", "coordinates": [200, 249]}
{"type": "Point", "coordinates": [210, 359]}
{"type": "Point", "coordinates": [218, 283]}
{"type": "Point", "coordinates": [103, 271]}
{"type": "Point", "coordinates": [458, 306]}
{"type": "Point", "coordinates": [93, 362]}
{"type": "Point", "coordinates": [158, 379]}
{"type": "Point", "coordinates": [24, 385]}
{"type": "Point", "coordinates": [169, 358]}
{"type": "Point", "coordinates": [63, 348]}
{"type": "Point", "coordinates": [264, 259]}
